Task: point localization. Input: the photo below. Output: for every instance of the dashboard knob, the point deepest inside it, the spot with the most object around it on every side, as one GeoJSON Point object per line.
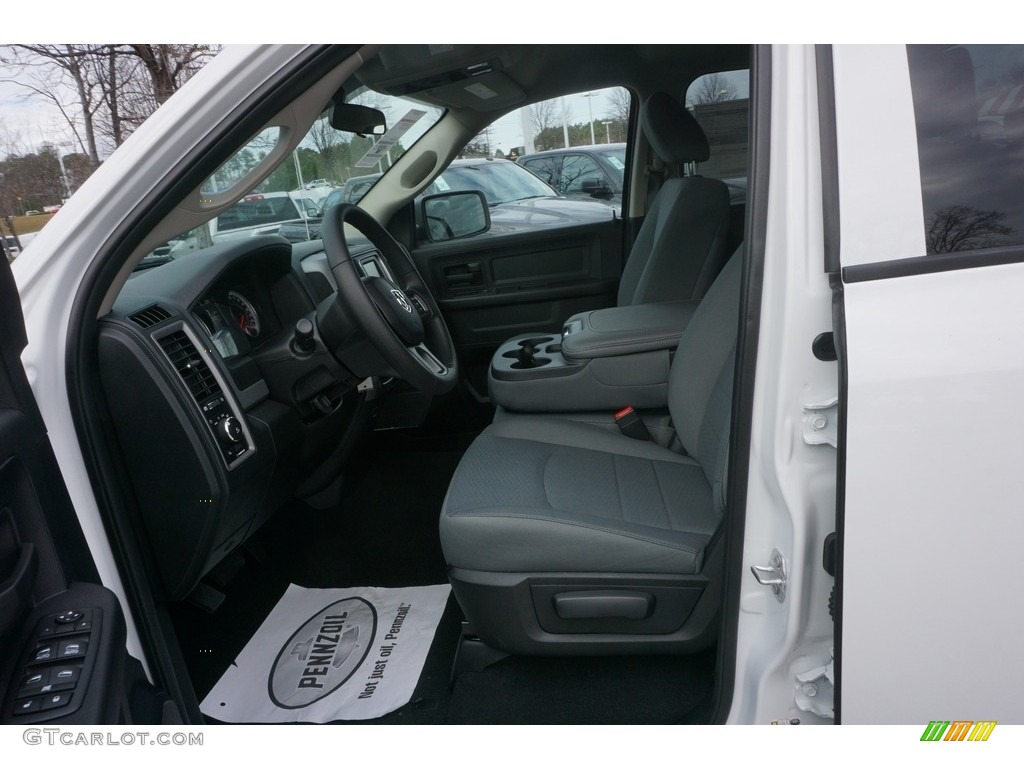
{"type": "Point", "coordinates": [228, 430]}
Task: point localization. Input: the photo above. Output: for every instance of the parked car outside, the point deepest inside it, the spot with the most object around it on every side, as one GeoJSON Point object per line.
{"type": "Point", "coordinates": [259, 213]}
{"type": "Point", "coordinates": [518, 200]}
{"type": "Point", "coordinates": [11, 248]}
{"type": "Point", "coordinates": [592, 172]}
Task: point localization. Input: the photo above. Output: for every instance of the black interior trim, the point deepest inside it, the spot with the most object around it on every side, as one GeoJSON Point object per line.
{"type": "Point", "coordinates": [743, 396]}
{"type": "Point", "coordinates": [839, 331]}
{"type": "Point", "coordinates": [938, 262]}
{"type": "Point", "coordinates": [84, 386]}
{"type": "Point", "coordinates": [829, 155]}
{"type": "Point", "coordinates": [631, 227]}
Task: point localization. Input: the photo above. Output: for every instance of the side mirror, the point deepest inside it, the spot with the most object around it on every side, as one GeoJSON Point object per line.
{"type": "Point", "coordinates": [356, 118]}
{"type": "Point", "coordinates": [451, 215]}
{"type": "Point", "coordinates": [596, 187]}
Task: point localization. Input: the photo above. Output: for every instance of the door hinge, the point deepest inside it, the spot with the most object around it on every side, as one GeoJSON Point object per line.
{"type": "Point", "coordinates": [772, 575]}
{"type": "Point", "coordinates": [815, 691]}
{"type": "Point", "coordinates": [821, 423]}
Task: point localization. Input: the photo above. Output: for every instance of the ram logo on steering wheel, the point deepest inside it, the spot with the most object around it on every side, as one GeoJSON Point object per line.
{"type": "Point", "coordinates": [402, 301]}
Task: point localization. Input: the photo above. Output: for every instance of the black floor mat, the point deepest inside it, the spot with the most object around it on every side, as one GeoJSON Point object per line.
{"type": "Point", "coordinates": [627, 690]}
{"type": "Point", "coordinates": [383, 533]}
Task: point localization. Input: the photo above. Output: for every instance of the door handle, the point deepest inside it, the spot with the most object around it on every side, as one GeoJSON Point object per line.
{"type": "Point", "coordinates": [469, 275]}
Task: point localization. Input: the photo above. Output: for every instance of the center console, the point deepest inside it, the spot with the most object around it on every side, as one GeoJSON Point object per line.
{"type": "Point", "coordinates": [604, 359]}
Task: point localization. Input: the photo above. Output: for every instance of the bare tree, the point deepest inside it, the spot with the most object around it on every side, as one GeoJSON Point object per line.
{"type": "Point", "coordinates": [169, 66]}
{"type": "Point", "coordinates": [544, 115]}
{"type": "Point", "coordinates": [54, 71]}
{"type": "Point", "coordinates": [620, 102]}
{"type": "Point", "coordinates": [328, 142]}
{"type": "Point", "coordinates": [962, 228]}
{"type": "Point", "coordinates": [105, 91]}
{"type": "Point", "coordinates": [712, 89]}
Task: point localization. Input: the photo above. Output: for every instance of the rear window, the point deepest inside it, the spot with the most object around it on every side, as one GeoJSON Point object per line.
{"type": "Point", "coordinates": [969, 110]}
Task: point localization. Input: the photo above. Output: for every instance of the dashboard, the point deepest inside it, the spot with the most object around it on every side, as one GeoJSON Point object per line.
{"type": "Point", "coordinates": [223, 403]}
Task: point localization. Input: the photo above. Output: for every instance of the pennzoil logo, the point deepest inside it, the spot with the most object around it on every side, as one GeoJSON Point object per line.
{"type": "Point", "coordinates": [323, 653]}
{"type": "Point", "coordinates": [958, 730]}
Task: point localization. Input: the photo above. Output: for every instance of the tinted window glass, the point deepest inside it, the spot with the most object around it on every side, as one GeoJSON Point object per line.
{"type": "Point", "coordinates": [576, 168]}
{"type": "Point", "coordinates": [615, 160]}
{"type": "Point", "coordinates": [545, 167]}
{"type": "Point", "coordinates": [969, 107]}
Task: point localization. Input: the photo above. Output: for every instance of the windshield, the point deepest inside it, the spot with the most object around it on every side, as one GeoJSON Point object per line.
{"type": "Point", "coordinates": [327, 166]}
{"type": "Point", "coordinates": [499, 180]}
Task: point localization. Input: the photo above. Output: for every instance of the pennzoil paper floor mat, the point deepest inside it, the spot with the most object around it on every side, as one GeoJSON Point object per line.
{"type": "Point", "coordinates": [331, 654]}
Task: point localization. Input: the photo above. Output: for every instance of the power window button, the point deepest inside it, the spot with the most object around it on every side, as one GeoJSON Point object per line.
{"type": "Point", "coordinates": [44, 653]}
{"type": "Point", "coordinates": [65, 674]}
{"type": "Point", "coordinates": [33, 683]}
{"type": "Point", "coordinates": [72, 649]}
{"type": "Point", "coordinates": [54, 700]}
{"type": "Point", "coordinates": [27, 706]}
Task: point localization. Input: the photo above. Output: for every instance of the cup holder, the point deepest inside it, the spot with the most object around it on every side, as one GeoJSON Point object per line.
{"type": "Point", "coordinates": [535, 341]}
{"type": "Point", "coordinates": [526, 357]}
{"type": "Point", "coordinates": [531, 362]}
{"type": "Point", "coordinates": [530, 353]}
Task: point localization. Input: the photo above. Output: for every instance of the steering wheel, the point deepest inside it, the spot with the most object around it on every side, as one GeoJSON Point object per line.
{"type": "Point", "coordinates": [400, 318]}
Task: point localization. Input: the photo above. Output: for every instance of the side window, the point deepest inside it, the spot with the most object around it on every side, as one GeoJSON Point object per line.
{"type": "Point", "coordinates": [575, 120]}
{"type": "Point", "coordinates": [969, 110]}
{"type": "Point", "coordinates": [576, 170]}
{"type": "Point", "coordinates": [545, 167]}
{"type": "Point", "coordinates": [574, 143]}
{"type": "Point", "coordinates": [720, 102]}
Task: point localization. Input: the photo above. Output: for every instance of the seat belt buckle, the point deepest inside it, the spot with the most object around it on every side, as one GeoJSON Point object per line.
{"type": "Point", "coordinates": [631, 425]}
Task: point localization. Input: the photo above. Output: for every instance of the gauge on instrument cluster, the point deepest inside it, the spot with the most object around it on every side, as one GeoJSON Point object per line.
{"type": "Point", "coordinates": [244, 314]}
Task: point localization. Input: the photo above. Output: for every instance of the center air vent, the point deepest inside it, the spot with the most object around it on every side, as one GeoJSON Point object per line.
{"type": "Point", "coordinates": [190, 365]}
{"type": "Point", "coordinates": [150, 316]}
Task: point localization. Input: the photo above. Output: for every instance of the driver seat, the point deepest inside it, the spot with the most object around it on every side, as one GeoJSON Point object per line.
{"type": "Point", "coordinates": [566, 537]}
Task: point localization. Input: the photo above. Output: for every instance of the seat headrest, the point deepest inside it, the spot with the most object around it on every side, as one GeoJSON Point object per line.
{"type": "Point", "coordinates": [672, 131]}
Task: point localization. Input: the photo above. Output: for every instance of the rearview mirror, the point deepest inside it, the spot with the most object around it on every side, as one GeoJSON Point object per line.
{"type": "Point", "coordinates": [356, 118]}
{"type": "Point", "coordinates": [451, 215]}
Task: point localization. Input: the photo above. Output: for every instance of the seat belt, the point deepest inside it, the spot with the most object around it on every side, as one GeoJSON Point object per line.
{"type": "Point", "coordinates": [631, 425]}
{"type": "Point", "coordinates": [655, 172]}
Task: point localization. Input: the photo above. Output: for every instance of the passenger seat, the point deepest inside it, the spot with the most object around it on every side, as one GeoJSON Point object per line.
{"type": "Point", "coordinates": [563, 537]}
{"type": "Point", "coordinates": [681, 246]}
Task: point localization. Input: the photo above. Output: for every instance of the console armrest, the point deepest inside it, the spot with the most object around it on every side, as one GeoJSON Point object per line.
{"type": "Point", "coordinates": [605, 359]}
{"type": "Point", "coordinates": [625, 330]}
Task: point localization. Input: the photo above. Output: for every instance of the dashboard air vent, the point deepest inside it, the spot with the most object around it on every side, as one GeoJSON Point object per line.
{"type": "Point", "coordinates": [150, 316]}
{"type": "Point", "coordinates": [190, 365]}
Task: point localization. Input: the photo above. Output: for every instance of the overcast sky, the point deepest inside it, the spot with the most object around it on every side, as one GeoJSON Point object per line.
{"type": "Point", "coordinates": [32, 120]}
{"type": "Point", "coordinates": [27, 117]}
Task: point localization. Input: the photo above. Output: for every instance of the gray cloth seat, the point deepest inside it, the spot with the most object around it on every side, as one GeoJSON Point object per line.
{"type": "Point", "coordinates": [542, 495]}
{"type": "Point", "coordinates": [547, 494]}
{"type": "Point", "coordinates": [681, 245]}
